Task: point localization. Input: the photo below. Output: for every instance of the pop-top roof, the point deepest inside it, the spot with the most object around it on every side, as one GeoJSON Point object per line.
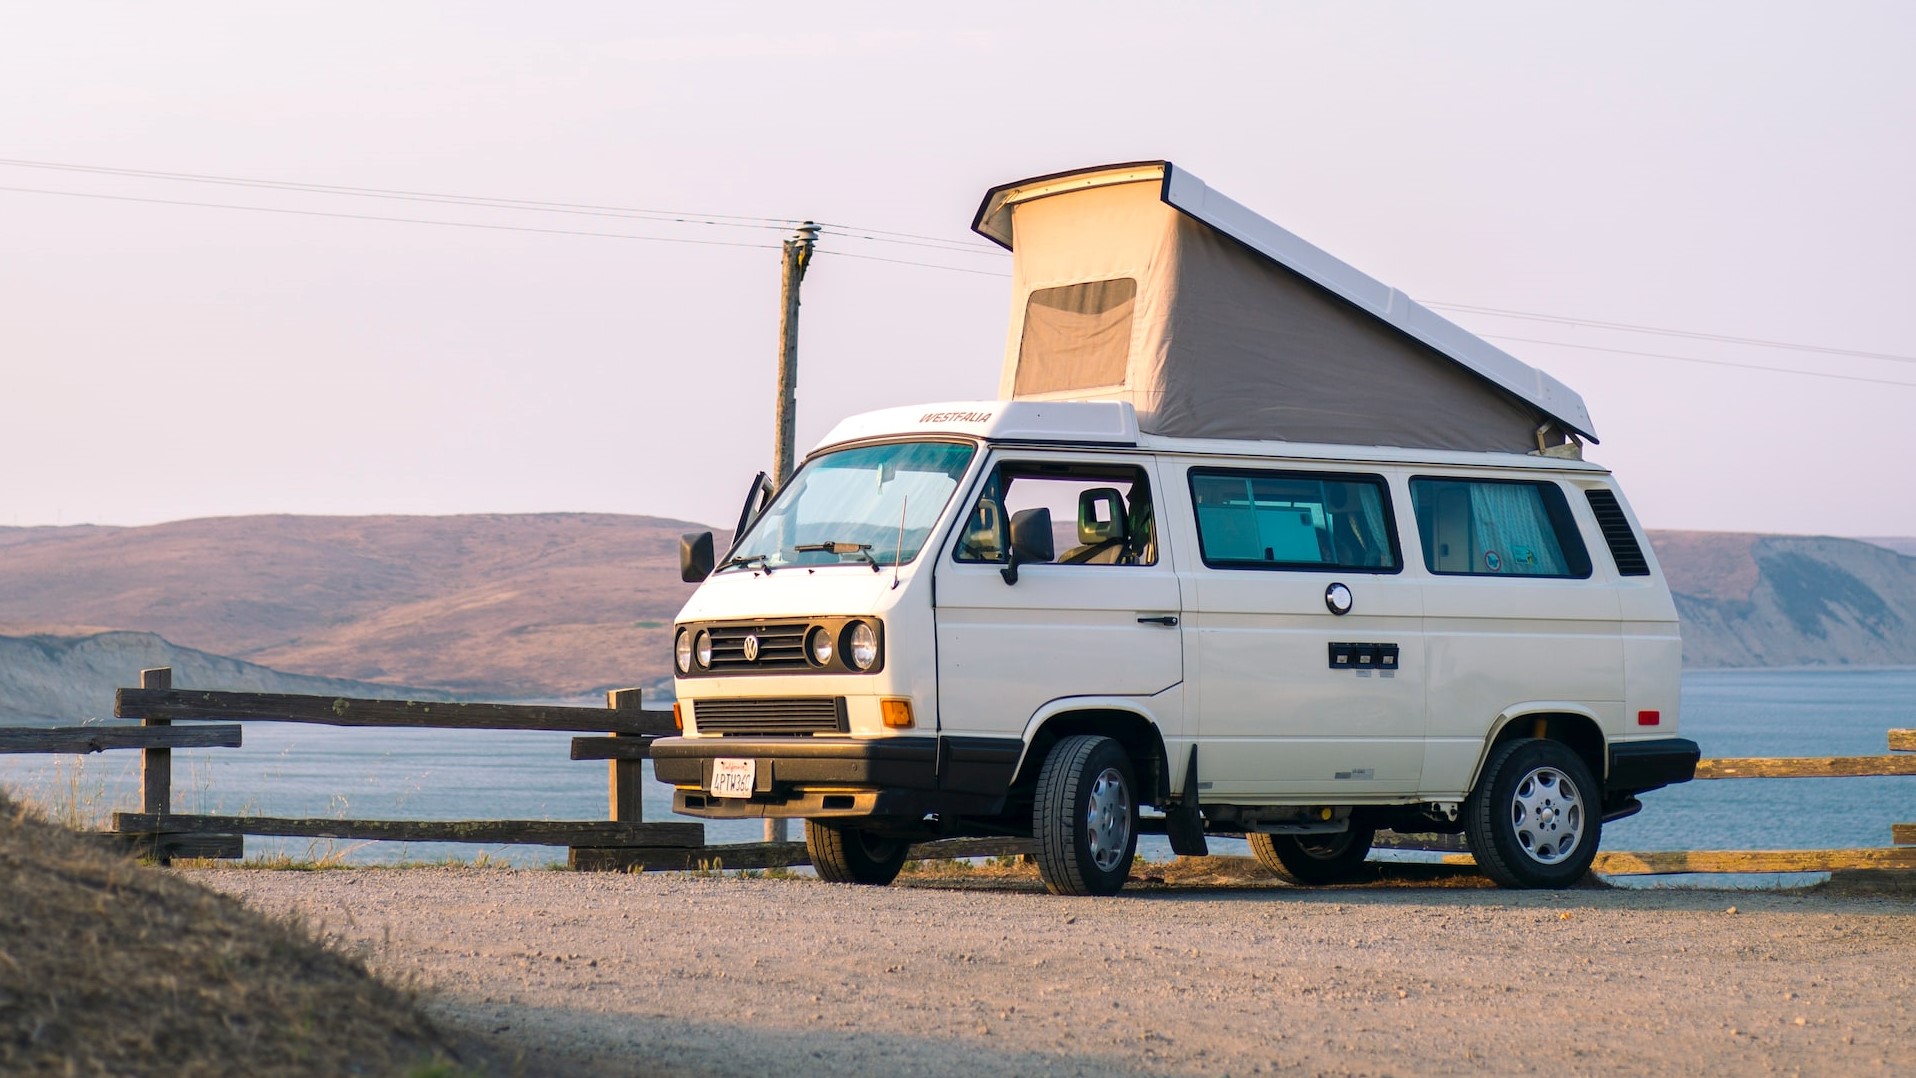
{"type": "Point", "coordinates": [1137, 282]}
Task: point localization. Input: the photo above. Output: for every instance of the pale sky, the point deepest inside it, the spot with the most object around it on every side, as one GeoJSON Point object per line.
{"type": "Point", "coordinates": [1739, 169]}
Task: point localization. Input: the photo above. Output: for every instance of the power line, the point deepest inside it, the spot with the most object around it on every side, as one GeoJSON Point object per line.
{"type": "Point", "coordinates": [476, 224]}
{"type": "Point", "coordinates": [736, 220]}
{"type": "Point", "coordinates": [390, 220]}
{"type": "Point", "coordinates": [1709, 362]}
{"type": "Point", "coordinates": [1755, 342]}
{"type": "Point", "coordinates": [981, 246]}
{"type": "Point", "coordinates": [716, 220]}
{"type": "Point", "coordinates": [841, 231]}
{"type": "Point", "coordinates": [936, 245]}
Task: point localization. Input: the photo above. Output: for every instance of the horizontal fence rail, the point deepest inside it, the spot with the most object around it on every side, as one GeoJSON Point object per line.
{"type": "Point", "coordinates": [181, 704]}
{"type": "Point", "coordinates": [1805, 767]}
{"type": "Point", "coordinates": [490, 832]}
{"type": "Point", "coordinates": [621, 734]}
{"type": "Point", "coordinates": [87, 739]}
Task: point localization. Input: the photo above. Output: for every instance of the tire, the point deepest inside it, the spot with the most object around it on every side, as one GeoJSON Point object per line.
{"type": "Point", "coordinates": [1314, 860]}
{"type": "Point", "coordinates": [1536, 817]}
{"type": "Point", "coordinates": [842, 854]}
{"type": "Point", "coordinates": [1085, 818]}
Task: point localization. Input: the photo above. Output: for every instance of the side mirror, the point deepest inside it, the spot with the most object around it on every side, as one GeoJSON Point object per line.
{"type": "Point", "coordinates": [695, 557]}
{"type": "Point", "coordinates": [1031, 541]}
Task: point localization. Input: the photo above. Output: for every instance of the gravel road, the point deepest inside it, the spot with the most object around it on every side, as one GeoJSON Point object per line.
{"type": "Point", "coordinates": [564, 973]}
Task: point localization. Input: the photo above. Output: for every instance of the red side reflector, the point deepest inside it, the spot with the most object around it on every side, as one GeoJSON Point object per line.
{"type": "Point", "coordinates": [1649, 718]}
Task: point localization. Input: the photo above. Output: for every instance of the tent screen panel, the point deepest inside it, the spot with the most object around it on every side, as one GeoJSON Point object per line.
{"type": "Point", "coordinates": [1076, 336]}
{"type": "Point", "coordinates": [1497, 527]}
{"type": "Point", "coordinates": [1101, 514]}
{"type": "Point", "coordinates": [1249, 519]}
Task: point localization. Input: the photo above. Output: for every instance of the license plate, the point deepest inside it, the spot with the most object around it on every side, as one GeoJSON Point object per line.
{"type": "Point", "coordinates": [733, 778]}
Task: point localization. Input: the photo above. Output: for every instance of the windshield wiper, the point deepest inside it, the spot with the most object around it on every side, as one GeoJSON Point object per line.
{"type": "Point", "coordinates": [747, 559]}
{"type": "Point", "coordinates": [863, 550]}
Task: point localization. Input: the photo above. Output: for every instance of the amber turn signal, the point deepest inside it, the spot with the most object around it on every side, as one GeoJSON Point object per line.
{"type": "Point", "coordinates": [896, 713]}
{"type": "Point", "coordinates": [678, 717]}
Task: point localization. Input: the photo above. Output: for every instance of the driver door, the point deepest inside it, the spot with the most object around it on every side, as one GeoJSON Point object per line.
{"type": "Point", "coordinates": [1099, 617]}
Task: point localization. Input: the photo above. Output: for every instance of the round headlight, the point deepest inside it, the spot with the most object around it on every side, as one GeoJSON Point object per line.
{"type": "Point", "coordinates": [864, 645]}
{"type": "Point", "coordinates": [682, 651]}
{"type": "Point", "coordinates": [821, 647]}
{"type": "Point", "coordinates": [703, 646]}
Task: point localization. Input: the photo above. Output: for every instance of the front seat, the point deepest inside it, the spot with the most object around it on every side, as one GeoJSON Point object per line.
{"type": "Point", "coordinates": [1103, 528]}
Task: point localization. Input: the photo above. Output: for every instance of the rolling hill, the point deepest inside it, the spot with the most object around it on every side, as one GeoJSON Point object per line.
{"type": "Point", "coordinates": [564, 605]}
{"type": "Point", "coordinates": [504, 606]}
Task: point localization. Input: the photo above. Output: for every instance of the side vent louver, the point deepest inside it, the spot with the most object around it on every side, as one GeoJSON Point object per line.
{"type": "Point", "coordinates": [1616, 532]}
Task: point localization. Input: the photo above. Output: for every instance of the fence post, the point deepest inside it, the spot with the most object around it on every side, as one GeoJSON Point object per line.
{"type": "Point", "coordinates": [626, 777]}
{"type": "Point", "coordinates": [156, 765]}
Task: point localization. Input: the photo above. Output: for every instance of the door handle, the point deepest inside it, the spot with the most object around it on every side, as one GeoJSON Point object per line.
{"type": "Point", "coordinates": [1163, 619]}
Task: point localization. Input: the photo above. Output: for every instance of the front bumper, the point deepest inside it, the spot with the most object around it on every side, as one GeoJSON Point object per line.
{"type": "Point", "coordinates": [1639, 766]}
{"type": "Point", "coordinates": [899, 778]}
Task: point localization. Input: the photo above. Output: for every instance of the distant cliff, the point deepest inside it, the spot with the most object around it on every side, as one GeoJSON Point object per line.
{"type": "Point", "coordinates": [46, 680]}
{"type": "Point", "coordinates": [1780, 600]}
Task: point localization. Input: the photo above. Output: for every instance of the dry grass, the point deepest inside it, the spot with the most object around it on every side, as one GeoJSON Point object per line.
{"type": "Point", "coordinates": [111, 967]}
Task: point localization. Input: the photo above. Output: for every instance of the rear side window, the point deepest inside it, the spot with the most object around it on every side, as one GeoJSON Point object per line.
{"type": "Point", "coordinates": [1256, 519]}
{"type": "Point", "coordinates": [1497, 527]}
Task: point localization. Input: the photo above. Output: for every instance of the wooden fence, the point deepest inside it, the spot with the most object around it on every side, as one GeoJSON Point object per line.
{"type": "Point", "coordinates": [621, 734]}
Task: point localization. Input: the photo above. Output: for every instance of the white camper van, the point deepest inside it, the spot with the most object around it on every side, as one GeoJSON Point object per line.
{"type": "Point", "coordinates": [1251, 541]}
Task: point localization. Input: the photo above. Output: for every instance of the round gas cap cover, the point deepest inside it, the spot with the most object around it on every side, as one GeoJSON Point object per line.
{"type": "Point", "coordinates": [1337, 597]}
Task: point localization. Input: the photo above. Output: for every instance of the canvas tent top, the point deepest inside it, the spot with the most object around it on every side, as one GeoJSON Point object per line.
{"type": "Point", "coordinates": [1138, 283]}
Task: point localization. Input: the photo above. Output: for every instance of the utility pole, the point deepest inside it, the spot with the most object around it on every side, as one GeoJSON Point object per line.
{"type": "Point", "coordinates": [798, 255]}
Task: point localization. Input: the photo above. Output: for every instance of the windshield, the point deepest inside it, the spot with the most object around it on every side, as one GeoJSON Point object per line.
{"type": "Point", "coordinates": [874, 505]}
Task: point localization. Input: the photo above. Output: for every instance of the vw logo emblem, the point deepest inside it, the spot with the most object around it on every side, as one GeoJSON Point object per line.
{"type": "Point", "coordinates": [751, 647]}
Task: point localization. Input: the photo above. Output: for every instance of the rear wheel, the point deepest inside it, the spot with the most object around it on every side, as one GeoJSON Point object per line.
{"type": "Point", "coordinates": [842, 854]}
{"type": "Point", "coordinates": [1085, 818]}
{"type": "Point", "coordinates": [1314, 860]}
{"type": "Point", "coordinates": [1534, 819]}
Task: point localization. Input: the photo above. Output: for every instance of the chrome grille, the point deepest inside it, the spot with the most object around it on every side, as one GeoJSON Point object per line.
{"type": "Point", "coordinates": [780, 647]}
{"type": "Point", "coordinates": [797, 715]}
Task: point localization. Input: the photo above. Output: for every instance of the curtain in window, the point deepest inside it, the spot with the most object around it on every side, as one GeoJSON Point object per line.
{"type": "Point", "coordinates": [1511, 531]}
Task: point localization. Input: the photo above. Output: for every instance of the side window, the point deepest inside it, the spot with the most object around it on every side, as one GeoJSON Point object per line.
{"type": "Point", "coordinates": [1497, 527]}
{"type": "Point", "coordinates": [1255, 519]}
{"type": "Point", "coordinates": [1095, 514]}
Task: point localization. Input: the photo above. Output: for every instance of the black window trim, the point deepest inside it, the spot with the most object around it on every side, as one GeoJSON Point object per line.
{"type": "Point", "coordinates": [1057, 469]}
{"type": "Point", "coordinates": [1378, 480]}
{"type": "Point", "coordinates": [1562, 517]}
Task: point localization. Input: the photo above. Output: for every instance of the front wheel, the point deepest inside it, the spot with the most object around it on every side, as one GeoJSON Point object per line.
{"type": "Point", "coordinates": [1535, 818]}
{"type": "Point", "coordinates": [843, 854]}
{"type": "Point", "coordinates": [1314, 860]}
{"type": "Point", "coordinates": [1085, 818]}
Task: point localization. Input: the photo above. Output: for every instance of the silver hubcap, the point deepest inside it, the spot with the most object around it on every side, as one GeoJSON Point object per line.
{"type": "Point", "coordinates": [1108, 819]}
{"type": "Point", "coordinates": [1547, 815]}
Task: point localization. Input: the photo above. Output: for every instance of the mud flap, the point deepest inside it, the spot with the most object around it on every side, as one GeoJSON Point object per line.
{"type": "Point", "coordinates": [1183, 823]}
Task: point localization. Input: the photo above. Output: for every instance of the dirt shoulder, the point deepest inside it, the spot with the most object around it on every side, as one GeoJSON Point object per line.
{"type": "Point", "coordinates": [967, 975]}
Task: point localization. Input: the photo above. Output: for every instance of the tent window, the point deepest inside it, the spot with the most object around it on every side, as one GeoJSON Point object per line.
{"type": "Point", "coordinates": [1076, 336]}
{"type": "Point", "coordinates": [1497, 527]}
